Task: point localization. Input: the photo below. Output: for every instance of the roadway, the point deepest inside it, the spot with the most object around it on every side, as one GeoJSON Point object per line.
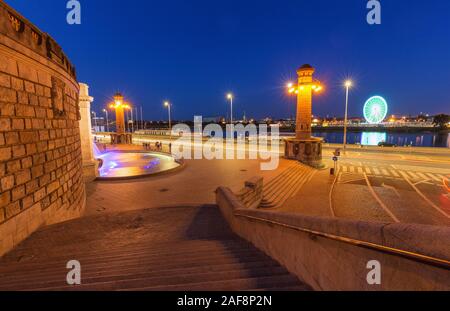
{"type": "Point", "coordinates": [380, 187]}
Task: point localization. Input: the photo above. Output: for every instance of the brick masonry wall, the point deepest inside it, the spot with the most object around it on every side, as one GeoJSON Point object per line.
{"type": "Point", "coordinates": [40, 154]}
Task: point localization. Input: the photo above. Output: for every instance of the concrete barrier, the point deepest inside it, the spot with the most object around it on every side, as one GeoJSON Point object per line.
{"type": "Point", "coordinates": [333, 254]}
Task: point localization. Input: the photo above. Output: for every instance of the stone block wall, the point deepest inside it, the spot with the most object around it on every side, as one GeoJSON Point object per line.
{"type": "Point", "coordinates": [40, 156]}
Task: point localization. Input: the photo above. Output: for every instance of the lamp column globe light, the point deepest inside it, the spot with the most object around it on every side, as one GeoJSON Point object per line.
{"type": "Point", "coordinates": [119, 105]}
{"type": "Point", "coordinates": [304, 147]}
{"type": "Point", "coordinates": [348, 84]}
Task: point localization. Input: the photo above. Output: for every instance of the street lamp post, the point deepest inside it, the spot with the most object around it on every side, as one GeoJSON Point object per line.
{"type": "Point", "coordinates": [142, 119]}
{"type": "Point", "coordinates": [230, 98]}
{"type": "Point", "coordinates": [132, 121]}
{"type": "Point", "coordinates": [168, 106]}
{"type": "Point", "coordinates": [137, 119]}
{"type": "Point", "coordinates": [348, 85]}
{"type": "Point", "coordinates": [95, 120]}
{"type": "Point", "coordinates": [107, 120]}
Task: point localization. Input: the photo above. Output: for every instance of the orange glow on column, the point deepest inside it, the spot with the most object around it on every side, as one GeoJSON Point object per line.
{"type": "Point", "coordinates": [119, 105]}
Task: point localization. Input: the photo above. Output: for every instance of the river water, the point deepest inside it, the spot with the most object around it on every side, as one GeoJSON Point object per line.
{"type": "Point", "coordinates": [423, 139]}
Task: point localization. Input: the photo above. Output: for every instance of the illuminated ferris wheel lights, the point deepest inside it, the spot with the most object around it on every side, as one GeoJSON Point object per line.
{"type": "Point", "coordinates": [375, 110]}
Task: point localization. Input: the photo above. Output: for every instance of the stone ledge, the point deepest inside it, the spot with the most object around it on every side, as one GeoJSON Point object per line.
{"type": "Point", "coordinates": [13, 25]}
{"type": "Point", "coordinates": [328, 264]}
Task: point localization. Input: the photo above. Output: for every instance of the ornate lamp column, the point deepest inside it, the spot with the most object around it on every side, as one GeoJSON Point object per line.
{"type": "Point", "coordinates": [90, 165]}
{"type": "Point", "coordinates": [120, 137]}
{"type": "Point", "coordinates": [304, 147]}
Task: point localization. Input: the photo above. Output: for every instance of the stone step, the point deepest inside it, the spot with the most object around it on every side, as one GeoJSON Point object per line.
{"type": "Point", "coordinates": [205, 257]}
{"type": "Point", "coordinates": [94, 275]}
{"type": "Point", "coordinates": [157, 249]}
{"type": "Point", "coordinates": [275, 187]}
{"type": "Point", "coordinates": [149, 280]}
{"type": "Point", "coordinates": [276, 281]}
{"type": "Point", "coordinates": [280, 176]}
{"type": "Point", "coordinates": [169, 249]}
{"type": "Point", "coordinates": [292, 189]}
{"type": "Point", "coordinates": [42, 241]}
{"type": "Point", "coordinates": [286, 180]}
{"type": "Point", "coordinates": [278, 196]}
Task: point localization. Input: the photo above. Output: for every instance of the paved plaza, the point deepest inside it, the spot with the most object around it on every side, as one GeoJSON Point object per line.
{"type": "Point", "coordinates": [386, 185]}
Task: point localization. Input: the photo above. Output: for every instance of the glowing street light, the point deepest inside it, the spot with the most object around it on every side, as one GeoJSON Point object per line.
{"type": "Point", "coordinates": [348, 84]}
{"type": "Point", "coordinates": [107, 120]}
{"type": "Point", "coordinates": [230, 98]}
{"type": "Point", "coordinates": [168, 106]}
{"type": "Point", "coordinates": [119, 105]}
{"type": "Point", "coordinates": [292, 88]}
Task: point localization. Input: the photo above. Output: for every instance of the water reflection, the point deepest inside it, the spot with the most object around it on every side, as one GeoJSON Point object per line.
{"type": "Point", "coordinates": [426, 139]}
{"type": "Point", "coordinates": [372, 138]}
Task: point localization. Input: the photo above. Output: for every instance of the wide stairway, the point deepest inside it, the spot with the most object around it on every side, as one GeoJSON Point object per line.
{"type": "Point", "coordinates": [175, 249]}
{"type": "Point", "coordinates": [286, 185]}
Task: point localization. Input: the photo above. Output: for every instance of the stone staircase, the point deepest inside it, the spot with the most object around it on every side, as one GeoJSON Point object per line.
{"type": "Point", "coordinates": [286, 185]}
{"type": "Point", "coordinates": [175, 249]}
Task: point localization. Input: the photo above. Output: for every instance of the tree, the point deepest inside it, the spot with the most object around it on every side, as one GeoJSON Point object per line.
{"type": "Point", "coordinates": [441, 121]}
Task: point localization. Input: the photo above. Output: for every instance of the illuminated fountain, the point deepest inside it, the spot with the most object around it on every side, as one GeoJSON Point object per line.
{"type": "Point", "coordinates": [121, 164]}
{"type": "Point", "coordinates": [127, 164]}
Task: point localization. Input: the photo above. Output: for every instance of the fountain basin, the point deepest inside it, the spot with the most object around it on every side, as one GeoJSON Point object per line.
{"type": "Point", "coordinates": [132, 164]}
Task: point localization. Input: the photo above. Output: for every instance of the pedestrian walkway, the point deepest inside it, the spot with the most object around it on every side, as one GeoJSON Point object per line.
{"type": "Point", "coordinates": [391, 171]}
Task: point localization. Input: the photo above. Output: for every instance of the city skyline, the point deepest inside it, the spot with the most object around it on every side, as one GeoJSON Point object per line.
{"type": "Point", "coordinates": [194, 54]}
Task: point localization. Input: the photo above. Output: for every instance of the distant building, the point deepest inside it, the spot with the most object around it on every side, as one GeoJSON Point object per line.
{"type": "Point", "coordinates": [213, 119]}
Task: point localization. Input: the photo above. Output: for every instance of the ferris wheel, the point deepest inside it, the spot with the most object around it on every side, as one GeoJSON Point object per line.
{"type": "Point", "coordinates": [375, 110]}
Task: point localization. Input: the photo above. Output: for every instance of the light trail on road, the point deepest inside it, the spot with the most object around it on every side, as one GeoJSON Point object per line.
{"type": "Point", "coordinates": [445, 181]}
{"type": "Point", "coordinates": [377, 198]}
{"type": "Point", "coordinates": [420, 193]}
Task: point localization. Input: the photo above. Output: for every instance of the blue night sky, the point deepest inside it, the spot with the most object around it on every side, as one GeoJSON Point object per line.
{"type": "Point", "coordinates": [193, 52]}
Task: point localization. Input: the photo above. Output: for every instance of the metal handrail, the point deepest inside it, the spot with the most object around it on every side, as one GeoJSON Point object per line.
{"type": "Point", "coordinates": [429, 260]}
